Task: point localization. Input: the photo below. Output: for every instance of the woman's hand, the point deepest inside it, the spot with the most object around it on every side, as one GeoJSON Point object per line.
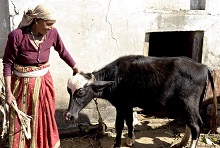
{"type": "Point", "coordinates": [9, 97]}
{"type": "Point", "coordinates": [75, 70]}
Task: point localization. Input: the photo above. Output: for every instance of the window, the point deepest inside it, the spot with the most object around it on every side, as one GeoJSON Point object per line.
{"type": "Point", "coordinates": [177, 43]}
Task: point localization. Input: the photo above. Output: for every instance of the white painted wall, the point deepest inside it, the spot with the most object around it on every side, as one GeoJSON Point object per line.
{"type": "Point", "coordinates": [4, 25]}
{"type": "Point", "coordinates": [98, 31]}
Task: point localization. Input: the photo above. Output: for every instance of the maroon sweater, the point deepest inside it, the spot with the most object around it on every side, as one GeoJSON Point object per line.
{"type": "Point", "coordinates": [20, 50]}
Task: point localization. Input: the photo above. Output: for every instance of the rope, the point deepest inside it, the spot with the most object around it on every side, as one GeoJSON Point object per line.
{"type": "Point", "coordinates": [100, 129]}
{"type": "Point", "coordinates": [97, 108]}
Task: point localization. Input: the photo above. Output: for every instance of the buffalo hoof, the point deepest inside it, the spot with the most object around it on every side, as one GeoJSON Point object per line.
{"type": "Point", "coordinates": [129, 142]}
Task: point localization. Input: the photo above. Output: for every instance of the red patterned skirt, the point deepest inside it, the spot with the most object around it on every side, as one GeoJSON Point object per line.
{"type": "Point", "coordinates": [35, 97]}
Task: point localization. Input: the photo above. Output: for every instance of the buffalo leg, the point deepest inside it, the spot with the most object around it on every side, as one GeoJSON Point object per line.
{"type": "Point", "coordinates": [195, 130]}
{"type": "Point", "coordinates": [119, 125]}
{"type": "Point", "coordinates": [129, 122]}
{"type": "Point", "coordinates": [185, 138]}
{"type": "Point", "coordinates": [194, 124]}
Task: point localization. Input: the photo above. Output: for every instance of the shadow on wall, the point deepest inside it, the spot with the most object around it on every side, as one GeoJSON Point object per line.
{"type": "Point", "coordinates": [70, 128]}
{"type": "Point", "coordinates": [62, 123]}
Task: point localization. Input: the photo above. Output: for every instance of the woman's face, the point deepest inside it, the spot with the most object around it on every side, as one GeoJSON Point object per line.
{"type": "Point", "coordinates": [44, 25]}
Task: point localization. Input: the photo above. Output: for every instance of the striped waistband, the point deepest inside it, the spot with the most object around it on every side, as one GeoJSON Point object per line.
{"type": "Point", "coordinates": [30, 71]}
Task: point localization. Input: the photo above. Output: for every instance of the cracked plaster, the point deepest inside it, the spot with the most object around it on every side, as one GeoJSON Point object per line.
{"type": "Point", "coordinates": [97, 32]}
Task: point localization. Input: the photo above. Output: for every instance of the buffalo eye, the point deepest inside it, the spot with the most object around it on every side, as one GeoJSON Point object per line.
{"type": "Point", "coordinates": [80, 92]}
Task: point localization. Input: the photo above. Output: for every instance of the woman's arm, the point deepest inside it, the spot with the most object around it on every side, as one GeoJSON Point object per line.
{"type": "Point", "coordinates": [8, 93]}
{"type": "Point", "coordinates": [61, 49]}
{"type": "Point", "coordinates": [63, 53]}
{"type": "Point", "coordinates": [8, 60]}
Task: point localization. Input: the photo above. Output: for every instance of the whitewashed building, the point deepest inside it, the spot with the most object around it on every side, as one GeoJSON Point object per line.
{"type": "Point", "coordinates": [98, 31]}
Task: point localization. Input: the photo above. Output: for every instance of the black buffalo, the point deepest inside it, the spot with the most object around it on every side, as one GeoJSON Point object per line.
{"type": "Point", "coordinates": [162, 86]}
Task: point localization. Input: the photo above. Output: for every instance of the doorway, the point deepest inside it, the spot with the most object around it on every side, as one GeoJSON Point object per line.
{"type": "Point", "coordinates": [176, 43]}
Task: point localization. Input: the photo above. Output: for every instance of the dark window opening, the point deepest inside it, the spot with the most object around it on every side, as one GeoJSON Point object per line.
{"type": "Point", "coordinates": [197, 4]}
{"type": "Point", "coordinates": [179, 43]}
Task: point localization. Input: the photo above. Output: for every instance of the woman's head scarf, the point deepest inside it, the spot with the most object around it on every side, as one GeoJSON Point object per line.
{"type": "Point", "coordinates": [41, 11]}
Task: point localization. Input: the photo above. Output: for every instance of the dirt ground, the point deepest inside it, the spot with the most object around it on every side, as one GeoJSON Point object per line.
{"type": "Point", "coordinates": [149, 133]}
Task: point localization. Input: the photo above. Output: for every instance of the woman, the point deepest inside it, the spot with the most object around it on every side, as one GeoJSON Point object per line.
{"type": "Point", "coordinates": [28, 81]}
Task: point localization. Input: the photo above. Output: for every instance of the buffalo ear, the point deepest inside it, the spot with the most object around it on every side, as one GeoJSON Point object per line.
{"type": "Point", "coordinates": [101, 85]}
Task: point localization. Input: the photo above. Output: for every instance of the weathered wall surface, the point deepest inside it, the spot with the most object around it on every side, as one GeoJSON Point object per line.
{"type": "Point", "coordinates": [4, 24]}
{"type": "Point", "coordinates": [97, 32]}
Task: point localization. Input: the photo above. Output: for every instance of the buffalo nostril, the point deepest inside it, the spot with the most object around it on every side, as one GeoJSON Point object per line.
{"type": "Point", "coordinates": [71, 118]}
